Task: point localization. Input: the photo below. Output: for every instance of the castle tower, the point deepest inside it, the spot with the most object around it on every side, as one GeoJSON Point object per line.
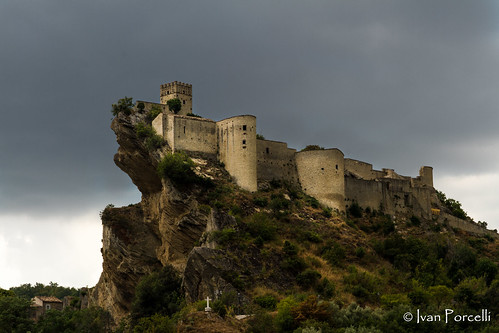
{"type": "Point", "coordinates": [182, 91]}
{"type": "Point", "coordinates": [322, 175]}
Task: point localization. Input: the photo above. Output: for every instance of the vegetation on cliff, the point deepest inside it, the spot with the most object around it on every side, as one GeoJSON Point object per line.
{"type": "Point", "coordinates": [279, 255]}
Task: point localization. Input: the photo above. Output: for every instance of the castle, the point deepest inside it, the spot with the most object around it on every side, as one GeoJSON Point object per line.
{"type": "Point", "coordinates": [325, 174]}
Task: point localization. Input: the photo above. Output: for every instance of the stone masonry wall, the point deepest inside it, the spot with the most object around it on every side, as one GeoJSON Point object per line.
{"type": "Point", "coordinates": [275, 161]}
{"type": "Point", "coordinates": [237, 149]}
{"type": "Point", "coordinates": [321, 174]}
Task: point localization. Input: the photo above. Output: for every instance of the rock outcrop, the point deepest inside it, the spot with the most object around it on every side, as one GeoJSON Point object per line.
{"type": "Point", "coordinates": [162, 229]}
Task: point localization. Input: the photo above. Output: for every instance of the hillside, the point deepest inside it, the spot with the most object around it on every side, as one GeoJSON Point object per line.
{"type": "Point", "coordinates": [279, 254]}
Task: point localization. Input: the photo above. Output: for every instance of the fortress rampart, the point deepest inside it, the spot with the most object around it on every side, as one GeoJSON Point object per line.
{"type": "Point", "coordinates": [325, 174]}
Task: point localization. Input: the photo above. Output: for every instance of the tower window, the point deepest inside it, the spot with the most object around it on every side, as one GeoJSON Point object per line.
{"type": "Point", "coordinates": [244, 127]}
{"type": "Point", "coordinates": [168, 92]}
{"type": "Point", "coordinates": [244, 142]}
{"type": "Point", "coordinates": [336, 166]}
{"type": "Point", "coordinates": [267, 150]}
{"type": "Point", "coordinates": [183, 101]}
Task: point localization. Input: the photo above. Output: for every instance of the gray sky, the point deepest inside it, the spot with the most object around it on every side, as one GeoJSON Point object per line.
{"type": "Point", "coordinates": [399, 84]}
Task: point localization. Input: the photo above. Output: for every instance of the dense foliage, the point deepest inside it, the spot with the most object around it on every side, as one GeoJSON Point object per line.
{"type": "Point", "coordinates": [174, 105]}
{"type": "Point", "coordinates": [124, 106]}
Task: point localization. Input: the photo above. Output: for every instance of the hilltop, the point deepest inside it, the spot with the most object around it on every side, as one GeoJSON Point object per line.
{"type": "Point", "coordinates": [278, 247]}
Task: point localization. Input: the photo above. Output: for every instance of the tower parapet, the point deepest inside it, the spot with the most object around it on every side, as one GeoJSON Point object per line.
{"type": "Point", "coordinates": [180, 90]}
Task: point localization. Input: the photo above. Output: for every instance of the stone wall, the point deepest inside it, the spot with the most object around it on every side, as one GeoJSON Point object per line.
{"type": "Point", "coordinates": [390, 195]}
{"type": "Point", "coordinates": [191, 134]}
{"type": "Point", "coordinates": [321, 174]}
{"type": "Point", "coordinates": [275, 161]}
{"type": "Point", "coordinates": [237, 149]}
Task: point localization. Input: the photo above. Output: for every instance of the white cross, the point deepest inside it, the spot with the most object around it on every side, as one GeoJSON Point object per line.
{"type": "Point", "coordinates": [207, 308]}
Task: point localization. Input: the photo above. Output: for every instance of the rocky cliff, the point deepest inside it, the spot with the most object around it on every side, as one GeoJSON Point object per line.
{"type": "Point", "coordinates": [166, 227]}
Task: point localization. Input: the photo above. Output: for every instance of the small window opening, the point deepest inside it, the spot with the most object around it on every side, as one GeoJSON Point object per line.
{"type": "Point", "coordinates": [244, 127]}
{"type": "Point", "coordinates": [183, 101]}
{"type": "Point", "coordinates": [184, 129]}
{"type": "Point", "coordinates": [267, 150]}
{"type": "Point", "coordinates": [322, 169]}
{"type": "Point", "coordinates": [168, 92]}
{"type": "Point", "coordinates": [244, 142]}
{"type": "Point", "coordinates": [336, 166]}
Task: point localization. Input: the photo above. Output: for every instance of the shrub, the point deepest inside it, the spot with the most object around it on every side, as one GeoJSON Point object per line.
{"type": "Point", "coordinates": [327, 212]}
{"type": "Point", "coordinates": [486, 268]}
{"type": "Point", "coordinates": [267, 301]}
{"type": "Point", "coordinates": [141, 106]}
{"type": "Point", "coordinates": [278, 201]}
{"type": "Point", "coordinates": [313, 202]}
{"type": "Point", "coordinates": [284, 319]}
{"type": "Point", "coordinates": [355, 210]}
{"type": "Point", "coordinates": [260, 137]}
{"type": "Point", "coordinates": [308, 278]}
{"type": "Point", "coordinates": [261, 225]}
{"type": "Point", "coordinates": [152, 140]}
{"type": "Point", "coordinates": [333, 252]}
{"type": "Point", "coordinates": [360, 252]}
{"type": "Point", "coordinates": [174, 105]}
{"type": "Point", "coordinates": [124, 105]}
{"type": "Point", "coordinates": [190, 114]}
{"type": "Point", "coordinates": [159, 292]}
{"type": "Point", "coordinates": [326, 288]}
{"type": "Point", "coordinates": [260, 201]}
{"type": "Point", "coordinates": [415, 221]}
{"type": "Point", "coordinates": [154, 112]}
{"type": "Point", "coordinates": [178, 167]}
{"type": "Point", "coordinates": [261, 322]}
{"type": "Point", "coordinates": [224, 237]}
{"type": "Point", "coordinates": [225, 303]}
{"type": "Point", "coordinates": [312, 147]}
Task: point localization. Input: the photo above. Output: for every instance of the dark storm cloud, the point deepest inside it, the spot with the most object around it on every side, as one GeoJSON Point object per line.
{"type": "Point", "coordinates": [398, 84]}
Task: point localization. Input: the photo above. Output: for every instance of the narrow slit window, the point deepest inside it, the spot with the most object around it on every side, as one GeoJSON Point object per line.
{"type": "Point", "coordinates": [184, 129]}
{"type": "Point", "coordinates": [244, 142]}
{"type": "Point", "coordinates": [267, 150]}
{"type": "Point", "coordinates": [244, 127]}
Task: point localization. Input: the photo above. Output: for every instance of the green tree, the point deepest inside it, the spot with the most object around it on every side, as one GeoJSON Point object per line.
{"type": "Point", "coordinates": [159, 292]}
{"type": "Point", "coordinates": [14, 313]}
{"type": "Point", "coordinates": [124, 105]}
{"type": "Point", "coordinates": [174, 105]}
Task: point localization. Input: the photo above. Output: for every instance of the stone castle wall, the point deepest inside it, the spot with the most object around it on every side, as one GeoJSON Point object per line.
{"type": "Point", "coordinates": [322, 175]}
{"type": "Point", "coordinates": [275, 161]}
{"type": "Point", "coordinates": [236, 138]}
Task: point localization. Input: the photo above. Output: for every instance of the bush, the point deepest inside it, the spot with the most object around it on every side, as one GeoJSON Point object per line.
{"type": "Point", "coordinates": [174, 105]}
{"type": "Point", "coordinates": [334, 253]}
{"type": "Point", "coordinates": [326, 288]}
{"type": "Point", "coordinates": [190, 114]}
{"type": "Point", "coordinates": [260, 322]}
{"type": "Point", "coordinates": [124, 105]}
{"type": "Point", "coordinates": [260, 201]}
{"type": "Point", "coordinates": [355, 210]}
{"type": "Point", "coordinates": [159, 292]}
{"type": "Point", "coordinates": [152, 140]}
{"type": "Point", "coordinates": [308, 278]}
{"type": "Point", "coordinates": [267, 301]}
{"type": "Point", "coordinates": [224, 237]}
{"type": "Point", "coordinates": [225, 303]}
{"type": "Point", "coordinates": [154, 112]}
{"type": "Point", "coordinates": [178, 167]}
{"type": "Point", "coordinates": [261, 225]}
{"type": "Point", "coordinates": [312, 147]}
{"type": "Point", "coordinates": [260, 137]}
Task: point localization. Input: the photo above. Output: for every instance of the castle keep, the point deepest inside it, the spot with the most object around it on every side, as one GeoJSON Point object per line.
{"type": "Point", "coordinates": [325, 174]}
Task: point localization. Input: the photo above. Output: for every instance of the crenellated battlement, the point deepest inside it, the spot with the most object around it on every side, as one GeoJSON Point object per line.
{"type": "Point", "coordinates": [180, 90]}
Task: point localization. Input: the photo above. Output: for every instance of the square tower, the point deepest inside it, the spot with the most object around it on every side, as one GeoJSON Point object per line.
{"type": "Point", "coordinates": [182, 91]}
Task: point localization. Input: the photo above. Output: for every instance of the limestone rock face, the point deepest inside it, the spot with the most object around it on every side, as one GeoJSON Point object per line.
{"type": "Point", "coordinates": [162, 229]}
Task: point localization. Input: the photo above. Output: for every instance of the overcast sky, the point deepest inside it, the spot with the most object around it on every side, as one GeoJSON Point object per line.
{"type": "Point", "coordinates": [398, 84]}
